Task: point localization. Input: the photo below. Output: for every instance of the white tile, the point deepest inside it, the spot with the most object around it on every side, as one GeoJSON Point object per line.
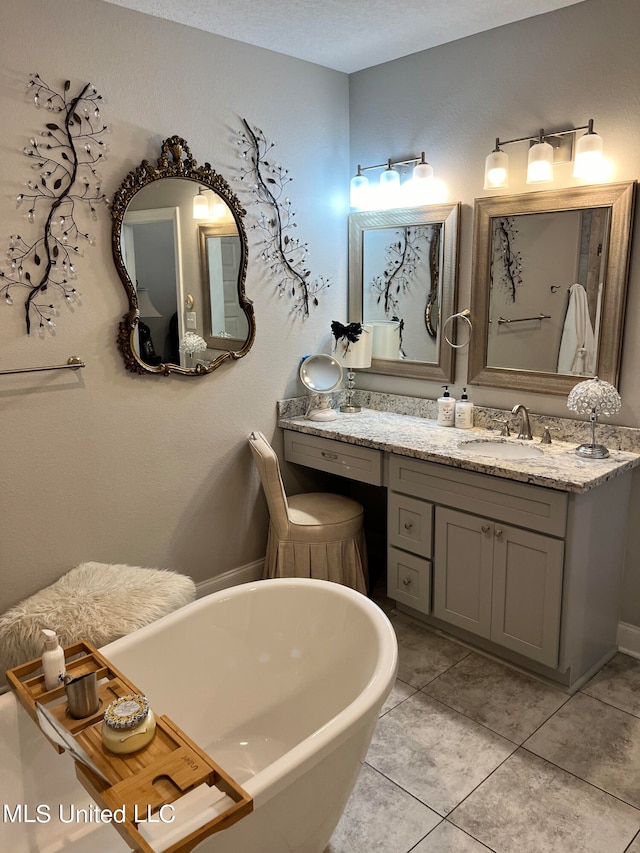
{"type": "Point", "coordinates": [380, 818]}
{"type": "Point", "coordinates": [446, 838]}
{"type": "Point", "coordinates": [505, 700]}
{"type": "Point", "coordinates": [435, 753]}
{"type": "Point", "coordinates": [422, 654]}
{"type": "Point", "coordinates": [596, 742]}
{"type": "Point", "coordinates": [531, 806]}
{"type": "Point", "coordinates": [399, 692]}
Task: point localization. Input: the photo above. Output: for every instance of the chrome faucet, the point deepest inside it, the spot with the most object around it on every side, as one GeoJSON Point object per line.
{"type": "Point", "coordinates": [525, 426]}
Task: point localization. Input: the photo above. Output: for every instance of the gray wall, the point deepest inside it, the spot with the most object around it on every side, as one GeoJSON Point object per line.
{"type": "Point", "coordinates": [103, 464]}
{"type": "Point", "coordinates": [553, 71]}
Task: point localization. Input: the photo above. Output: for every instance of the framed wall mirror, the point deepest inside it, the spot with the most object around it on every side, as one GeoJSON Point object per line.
{"type": "Point", "coordinates": [549, 285]}
{"type": "Point", "coordinates": [403, 273]}
{"type": "Point", "coordinates": [184, 276]}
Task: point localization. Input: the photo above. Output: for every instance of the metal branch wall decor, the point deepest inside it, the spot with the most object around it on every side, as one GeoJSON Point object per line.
{"type": "Point", "coordinates": [403, 257]}
{"type": "Point", "coordinates": [64, 157]}
{"type": "Point", "coordinates": [285, 253]}
{"type": "Point", "coordinates": [505, 255]}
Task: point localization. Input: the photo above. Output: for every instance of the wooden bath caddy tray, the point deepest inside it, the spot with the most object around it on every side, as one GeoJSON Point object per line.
{"type": "Point", "coordinates": [142, 782]}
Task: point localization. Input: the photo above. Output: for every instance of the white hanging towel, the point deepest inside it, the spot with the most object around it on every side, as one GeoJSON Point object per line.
{"type": "Point", "coordinates": [577, 346]}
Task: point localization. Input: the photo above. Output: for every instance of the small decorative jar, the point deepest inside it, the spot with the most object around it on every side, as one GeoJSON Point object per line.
{"type": "Point", "coordinates": [128, 724]}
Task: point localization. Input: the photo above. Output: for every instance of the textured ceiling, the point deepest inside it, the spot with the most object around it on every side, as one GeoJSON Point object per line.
{"type": "Point", "coordinates": [347, 35]}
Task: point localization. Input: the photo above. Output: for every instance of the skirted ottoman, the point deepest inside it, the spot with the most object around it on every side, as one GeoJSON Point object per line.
{"type": "Point", "coordinates": [97, 602]}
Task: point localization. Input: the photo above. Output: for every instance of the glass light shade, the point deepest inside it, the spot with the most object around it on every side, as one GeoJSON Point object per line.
{"type": "Point", "coordinates": [359, 192]}
{"type": "Point", "coordinates": [589, 159]}
{"type": "Point", "coordinates": [389, 188]}
{"type": "Point", "coordinates": [540, 164]}
{"type": "Point", "coordinates": [389, 179]}
{"type": "Point", "coordinates": [200, 206]}
{"type": "Point", "coordinates": [419, 189]}
{"type": "Point", "coordinates": [496, 171]}
{"type": "Point", "coordinates": [422, 172]}
{"type": "Point", "coordinates": [217, 210]}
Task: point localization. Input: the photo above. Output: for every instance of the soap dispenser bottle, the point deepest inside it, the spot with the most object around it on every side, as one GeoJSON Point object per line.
{"type": "Point", "coordinates": [464, 411]}
{"type": "Point", "coordinates": [446, 408]}
{"type": "Point", "coordinates": [53, 664]}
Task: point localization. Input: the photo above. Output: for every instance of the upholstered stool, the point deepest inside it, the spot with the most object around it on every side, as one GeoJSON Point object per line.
{"type": "Point", "coordinates": [317, 535]}
{"type": "Point", "coordinates": [97, 602]}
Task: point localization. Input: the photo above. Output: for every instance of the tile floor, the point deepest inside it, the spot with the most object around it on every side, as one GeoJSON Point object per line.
{"type": "Point", "coordinates": [471, 756]}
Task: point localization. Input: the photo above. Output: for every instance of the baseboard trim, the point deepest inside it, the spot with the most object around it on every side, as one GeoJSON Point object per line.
{"type": "Point", "coordinates": [244, 574]}
{"type": "Point", "coordinates": [629, 639]}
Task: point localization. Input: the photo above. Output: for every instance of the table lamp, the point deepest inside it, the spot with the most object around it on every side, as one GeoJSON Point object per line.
{"type": "Point", "coordinates": [593, 397]}
{"type": "Point", "coordinates": [353, 351]}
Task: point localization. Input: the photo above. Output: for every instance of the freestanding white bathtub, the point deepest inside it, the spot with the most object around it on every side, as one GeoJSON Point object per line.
{"type": "Point", "coordinates": [279, 681]}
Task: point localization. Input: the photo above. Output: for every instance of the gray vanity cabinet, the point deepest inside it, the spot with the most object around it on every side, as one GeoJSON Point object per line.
{"type": "Point", "coordinates": [499, 582]}
{"type": "Point", "coordinates": [523, 571]}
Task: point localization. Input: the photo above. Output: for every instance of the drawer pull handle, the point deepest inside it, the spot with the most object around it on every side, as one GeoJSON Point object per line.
{"type": "Point", "coordinates": [498, 532]}
{"type": "Point", "coordinates": [486, 528]}
{"type": "Point", "coordinates": [328, 455]}
{"type": "Point", "coordinates": [406, 581]}
{"type": "Point", "coordinates": [408, 525]}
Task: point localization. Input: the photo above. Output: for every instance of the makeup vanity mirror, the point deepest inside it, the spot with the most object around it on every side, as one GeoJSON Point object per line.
{"type": "Point", "coordinates": [184, 277]}
{"type": "Point", "coordinates": [549, 284]}
{"type": "Point", "coordinates": [320, 374]}
{"type": "Point", "coordinates": [403, 271]}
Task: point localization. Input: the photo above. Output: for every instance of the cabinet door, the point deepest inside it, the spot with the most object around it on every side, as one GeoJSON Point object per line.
{"type": "Point", "coordinates": [462, 566]}
{"type": "Point", "coordinates": [527, 593]}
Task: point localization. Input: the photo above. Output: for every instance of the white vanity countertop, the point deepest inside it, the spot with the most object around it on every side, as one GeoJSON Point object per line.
{"type": "Point", "coordinates": [557, 468]}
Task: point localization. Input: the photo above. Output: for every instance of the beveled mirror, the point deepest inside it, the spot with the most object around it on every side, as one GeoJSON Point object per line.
{"type": "Point", "coordinates": [184, 277]}
{"type": "Point", "coordinates": [549, 285]}
{"type": "Point", "coordinates": [403, 272]}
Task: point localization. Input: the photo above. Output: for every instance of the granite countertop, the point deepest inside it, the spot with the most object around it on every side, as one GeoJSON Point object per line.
{"type": "Point", "coordinates": [557, 467]}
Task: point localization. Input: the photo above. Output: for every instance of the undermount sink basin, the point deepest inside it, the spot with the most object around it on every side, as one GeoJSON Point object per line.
{"type": "Point", "coordinates": [497, 449]}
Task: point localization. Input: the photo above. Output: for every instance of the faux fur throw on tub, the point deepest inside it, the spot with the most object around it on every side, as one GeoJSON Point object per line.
{"type": "Point", "coordinates": [97, 602]}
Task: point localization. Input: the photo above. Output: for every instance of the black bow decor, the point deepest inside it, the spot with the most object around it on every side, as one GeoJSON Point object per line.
{"type": "Point", "coordinates": [351, 332]}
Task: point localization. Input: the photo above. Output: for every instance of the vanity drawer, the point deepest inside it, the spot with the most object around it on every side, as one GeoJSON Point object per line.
{"type": "Point", "coordinates": [410, 524]}
{"type": "Point", "coordinates": [335, 457]}
{"type": "Point", "coordinates": [532, 507]}
{"type": "Point", "coordinates": [409, 579]}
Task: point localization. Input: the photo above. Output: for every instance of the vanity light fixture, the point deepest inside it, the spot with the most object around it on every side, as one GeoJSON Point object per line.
{"type": "Point", "coordinates": [540, 161]}
{"type": "Point", "coordinates": [418, 190]}
{"type": "Point", "coordinates": [588, 160]}
{"type": "Point", "coordinates": [200, 205]}
{"type": "Point", "coordinates": [594, 397]}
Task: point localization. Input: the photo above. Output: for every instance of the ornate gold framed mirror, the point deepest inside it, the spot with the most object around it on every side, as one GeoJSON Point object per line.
{"type": "Point", "coordinates": [549, 286]}
{"type": "Point", "coordinates": [183, 266]}
{"type": "Point", "coordinates": [403, 273]}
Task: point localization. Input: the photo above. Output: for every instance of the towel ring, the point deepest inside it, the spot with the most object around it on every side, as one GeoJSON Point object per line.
{"type": "Point", "coordinates": [463, 315]}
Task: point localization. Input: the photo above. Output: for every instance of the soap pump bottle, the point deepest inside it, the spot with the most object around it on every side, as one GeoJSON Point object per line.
{"type": "Point", "coordinates": [52, 660]}
{"type": "Point", "coordinates": [446, 408]}
{"type": "Point", "coordinates": [464, 411]}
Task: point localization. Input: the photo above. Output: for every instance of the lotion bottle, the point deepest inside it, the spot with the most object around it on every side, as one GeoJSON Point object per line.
{"type": "Point", "coordinates": [446, 408]}
{"type": "Point", "coordinates": [464, 411]}
{"type": "Point", "coordinates": [52, 660]}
